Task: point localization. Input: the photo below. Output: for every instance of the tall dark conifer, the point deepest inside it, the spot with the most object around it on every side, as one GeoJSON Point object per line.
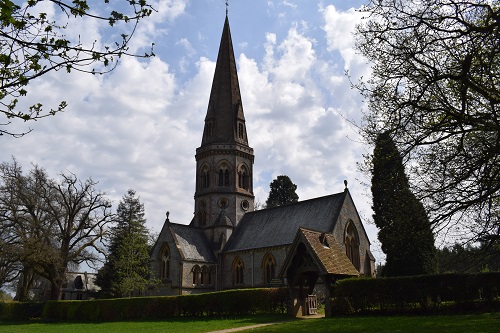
{"type": "Point", "coordinates": [128, 267]}
{"type": "Point", "coordinates": [282, 192]}
{"type": "Point", "coordinates": [404, 228]}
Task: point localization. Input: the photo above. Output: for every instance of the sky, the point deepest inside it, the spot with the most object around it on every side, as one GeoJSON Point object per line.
{"type": "Point", "coordinates": [138, 127]}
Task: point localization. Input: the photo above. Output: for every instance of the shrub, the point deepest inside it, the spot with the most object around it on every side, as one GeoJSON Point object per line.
{"type": "Point", "coordinates": [20, 311]}
{"type": "Point", "coordinates": [415, 293]}
{"type": "Point", "coordinates": [224, 303]}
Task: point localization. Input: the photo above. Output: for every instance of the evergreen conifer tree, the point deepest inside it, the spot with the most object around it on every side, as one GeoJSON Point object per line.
{"type": "Point", "coordinates": [282, 192]}
{"type": "Point", "coordinates": [404, 228]}
{"type": "Point", "coordinates": [128, 266]}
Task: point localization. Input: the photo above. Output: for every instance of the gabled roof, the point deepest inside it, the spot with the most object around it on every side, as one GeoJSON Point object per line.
{"type": "Point", "coordinates": [278, 226]}
{"type": "Point", "coordinates": [223, 220]}
{"type": "Point", "coordinates": [192, 243]}
{"type": "Point", "coordinates": [329, 253]}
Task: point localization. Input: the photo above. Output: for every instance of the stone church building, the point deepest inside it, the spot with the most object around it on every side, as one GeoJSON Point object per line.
{"type": "Point", "coordinates": [228, 244]}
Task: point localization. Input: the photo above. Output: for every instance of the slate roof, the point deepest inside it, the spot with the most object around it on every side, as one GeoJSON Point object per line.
{"type": "Point", "coordinates": [278, 226]}
{"type": "Point", "coordinates": [192, 243]}
{"type": "Point", "coordinates": [225, 106]}
{"type": "Point", "coordinates": [223, 220]}
{"type": "Point", "coordinates": [329, 253]}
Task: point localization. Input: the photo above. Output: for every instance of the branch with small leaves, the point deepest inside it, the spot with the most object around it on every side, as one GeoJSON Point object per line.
{"type": "Point", "coordinates": [32, 45]}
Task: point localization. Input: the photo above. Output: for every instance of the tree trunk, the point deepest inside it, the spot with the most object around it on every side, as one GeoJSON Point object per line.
{"type": "Point", "coordinates": [25, 283]}
{"type": "Point", "coordinates": [55, 290]}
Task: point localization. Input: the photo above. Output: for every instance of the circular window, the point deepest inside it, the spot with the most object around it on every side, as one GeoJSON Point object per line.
{"type": "Point", "coordinates": [223, 203]}
{"type": "Point", "coordinates": [245, 205]}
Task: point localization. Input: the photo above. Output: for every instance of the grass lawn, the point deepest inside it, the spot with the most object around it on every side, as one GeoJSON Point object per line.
{"type": "Point", "coordinates": [424, 324]}
{"type": "Point", "coordinates": [170, 326]}
{"type": "Point", "coordinates": [442, 324]}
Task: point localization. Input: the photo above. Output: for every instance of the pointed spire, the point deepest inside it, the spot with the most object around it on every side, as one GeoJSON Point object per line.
{"type": "Point", "coordinates": [225, 121]}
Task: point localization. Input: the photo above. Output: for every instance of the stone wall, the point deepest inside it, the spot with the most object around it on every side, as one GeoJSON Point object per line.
{"type": "Point", "coordinates": [252, 263]}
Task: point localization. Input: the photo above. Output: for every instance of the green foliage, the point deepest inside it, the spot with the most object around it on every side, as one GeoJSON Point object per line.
{"type": "Point", "coordinates": [32, 45]}
{"type": "Point", "coordinates": [20, 311]}
{"type": "Point", "coordinates": [217, 304]}
{"type": "Point", "coordinates": [434, 87]}
{"type": "Point", "coordinates": [128, 266]}
{"type": "Point", "coordinates": [282, 192]}
{"type": "Point", "coordinates": [469, 259]}
{"type": "Point", "coordinates": [4, 296]}
{"type": "Point", "coordinates": [404, 229]}
{"type": "Point", "coordinates": [425, 293]}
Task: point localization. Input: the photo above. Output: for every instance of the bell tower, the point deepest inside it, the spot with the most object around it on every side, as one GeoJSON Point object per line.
{"type": "Point", "coordinates": [224, 161]}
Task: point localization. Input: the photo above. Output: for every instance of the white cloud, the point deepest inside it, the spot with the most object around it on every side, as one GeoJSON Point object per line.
{"type": "Point", "coordinates": [184, 42]}
{"type": "Point", "coordinates": [289, 4]}
{"type": "Point", "coordinates": [139, 126]}
{"type": "Point", "coordinates": [339, 27]}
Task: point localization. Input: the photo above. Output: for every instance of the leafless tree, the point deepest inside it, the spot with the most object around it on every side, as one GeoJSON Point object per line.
{"type": "Point", "coordinates": [50, 224]}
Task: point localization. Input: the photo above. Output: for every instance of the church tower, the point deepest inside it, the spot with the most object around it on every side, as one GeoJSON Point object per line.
{"type": "Point", "coordinates": [224, 161]}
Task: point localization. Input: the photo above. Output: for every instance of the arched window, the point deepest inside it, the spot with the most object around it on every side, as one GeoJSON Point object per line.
{"type": "Point", "coordinates": [224, 175]}
{"type": "Point", "coordinates": [165, 263]}
{"type": "Point", "coordinates": [268, 268]}
{"type": "Point", "coordinates": [221, 177]}
{"type": "Point", "coordinates": [243, 178]}
{"type": "Point", "coordinates": [196, 275]}
{"type": "Point", "coordinates": [205, 178]}
{"type": "Point", "coordinates": [204, 276]}
{"type": "Point", "coordinates": [352, 244]}
{"type": "Point", "coordinates": [202, 217]}
{"type": "Point", "coordinates": [238, 271]}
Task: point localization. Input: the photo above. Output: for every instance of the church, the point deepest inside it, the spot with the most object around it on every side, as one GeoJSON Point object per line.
{"type": "Point", "coordinates": [228, 244]}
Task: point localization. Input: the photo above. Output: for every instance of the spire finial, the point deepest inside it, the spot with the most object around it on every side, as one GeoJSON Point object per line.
{"type": "Point", "coordinates": [227, 7]}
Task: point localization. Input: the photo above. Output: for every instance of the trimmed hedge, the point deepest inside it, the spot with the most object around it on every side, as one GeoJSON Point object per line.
{"type": "Point", "coordinates": [20, 311]}
{"type": "Point", "coordinates": [426, 293]}
{"type": "Point", "coordinates": [217, 304]}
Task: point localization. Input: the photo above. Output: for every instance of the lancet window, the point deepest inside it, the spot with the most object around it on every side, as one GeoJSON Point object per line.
{"type": "Point", "coordinates": [238, 271]}
{"type": "Point", "coordinates": [224, 175]}
{"type": "Point", "coordinates": [269, 268]}
{"type": "Point", "coordinates": [352, 244]}
{"type": "Point", "coordinates": [205, 178]}
{"type": "Point", "coordinates": [165, 263]}
{"type": "Point", "coordinates": [243, 178]}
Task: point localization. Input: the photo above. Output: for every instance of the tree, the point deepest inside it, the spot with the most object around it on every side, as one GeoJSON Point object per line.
{"type": "Point", "coordinates": [33, 43]}
{"type": "Point", "coordinates": [434, 87]}
{"type": "Point", "coordinates": [128, 266]}
{"type": "Point", "coordinates": [461, 258]}
{"type": "Point", "coordinates": [49, 224]}
{"type": "Point", "coordinates": [404, 228]}
{"type": "Point", "coordinates": [282, 192]}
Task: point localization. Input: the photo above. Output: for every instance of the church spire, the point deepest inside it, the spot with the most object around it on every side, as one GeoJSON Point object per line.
{"type": "Point", "coordinates": [225, 121]}
{"type": "Point", "coordinates": [224, 161]}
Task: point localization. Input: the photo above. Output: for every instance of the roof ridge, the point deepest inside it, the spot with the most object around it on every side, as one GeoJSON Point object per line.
{"type": "Point", "coordinates": [300, 202]}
